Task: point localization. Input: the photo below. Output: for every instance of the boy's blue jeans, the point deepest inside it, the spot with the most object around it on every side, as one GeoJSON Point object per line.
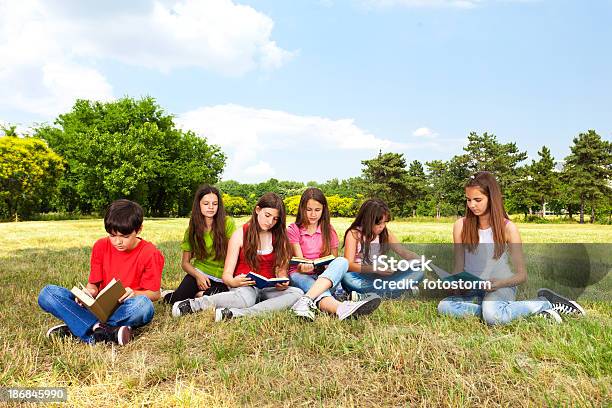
{"type": "Point", "coordinates": [392, 286]}
{"type": "Point", "coordinates": [334, 273]}
{"type": "Point", "coordinates": [136, 311]}
{"type": "Point", "coordinates": [497, 307]}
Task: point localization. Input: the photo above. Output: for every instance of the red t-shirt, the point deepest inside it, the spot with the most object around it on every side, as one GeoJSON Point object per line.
{"type": "Point", "coordinates": [139, 269]}
{"type": "Point", "coordinates": [266, 262]}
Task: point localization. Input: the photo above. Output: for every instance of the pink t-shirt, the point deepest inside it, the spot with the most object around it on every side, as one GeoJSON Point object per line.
{"type": "Point", "coordinates": [311, 244]}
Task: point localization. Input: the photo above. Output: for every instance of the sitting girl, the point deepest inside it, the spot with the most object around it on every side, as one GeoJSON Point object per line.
{"type": "Point", "coordinates": [312, 236]}
{"type": "Point", "coordinates": [260, 246]}
{"type": "Point", "coordinates": [367, 238]}
{"type": "Point", "coordinates": [204, 242]}
{"type": "Point", "coordinates": [483, 239]}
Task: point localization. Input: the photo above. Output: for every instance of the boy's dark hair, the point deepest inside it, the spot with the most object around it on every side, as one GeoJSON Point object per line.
{"type": "Point", "coordinates": [123, 216]}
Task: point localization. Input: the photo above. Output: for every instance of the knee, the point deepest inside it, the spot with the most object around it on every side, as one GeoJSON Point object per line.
{"type": "Point", "coordinates": [46, 296]}
{"type": "Point", "coordinates": [445, 307]}
{"type": "Point", "coordinates": [493, 315]}
{"type": "Point", "coordinates": [295, 292]}
{"type": "Point", "coordinates": [342, 263]}
{"type": "Point", "coordinates": [145, 308]}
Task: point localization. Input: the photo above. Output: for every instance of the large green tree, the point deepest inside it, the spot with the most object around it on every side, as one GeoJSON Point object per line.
{"type": "Point", "coordinates": [29, 173]}
{"type": "Point", "coordinates": [129, 148]}
{"type": "Point", "coordinates": [386, 178]}
{"type": "Point", "coordinates": [543, 181]}
{"type": "Point", "coordinates": [485, 153]}
{"type": "Point", "coordinates": [588, 170]}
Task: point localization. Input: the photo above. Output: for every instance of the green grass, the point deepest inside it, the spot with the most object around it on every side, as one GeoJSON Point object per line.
{"type": "Point", "coordinates": [403, 354]}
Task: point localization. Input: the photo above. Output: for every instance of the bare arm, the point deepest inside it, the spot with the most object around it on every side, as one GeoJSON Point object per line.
{"type": "Point", "coordinates": [459, 265]}
{"type": "Point", "coordinates": [515, 247]}
{"type": "Point", "coordinates": [397, 247]}
{"type": "Point", "coordinates": [302, 268]}
{"type": "Point", "coordinates": [231, 259]}
{"type": "Point", "coordinates": [350, 249]}
{"type": "Point", "coordinates": [201, 279]}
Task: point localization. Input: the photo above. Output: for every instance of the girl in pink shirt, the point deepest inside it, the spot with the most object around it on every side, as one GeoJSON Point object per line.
{"type": "Point", "coordinates": [312, 236]}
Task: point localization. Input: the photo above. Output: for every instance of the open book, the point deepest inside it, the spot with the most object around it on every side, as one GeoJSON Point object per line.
{"type": "Point", "coordinates": [105, 303]}
{"type": "Point", "coordinates": [262, 282]}
{"type": "Point", "coordinates": [464, 276]}
{"type": "Point", "coordinates": [324, 260]}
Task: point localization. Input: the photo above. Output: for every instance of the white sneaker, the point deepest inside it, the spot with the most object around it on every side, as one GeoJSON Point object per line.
{"type": "Point", "coordinates": [362, 307]}
{"type": "Point", "coordinates": [304, 307]}
{"type": "Point", "coordinates": [550, 314]}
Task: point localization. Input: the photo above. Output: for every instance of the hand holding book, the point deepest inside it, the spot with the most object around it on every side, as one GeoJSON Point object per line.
{"type": "Point", "coordinates": [129, 293]}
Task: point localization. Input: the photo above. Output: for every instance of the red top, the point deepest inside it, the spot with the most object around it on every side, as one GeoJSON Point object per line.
{"type": "Point", "coordinates": [266, 262]}
{"type": "Point", "coordinates": [139, 269]}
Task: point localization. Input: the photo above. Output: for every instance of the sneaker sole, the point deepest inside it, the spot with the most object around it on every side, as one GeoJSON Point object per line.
{"type": "Point", "coordinates": [52, 329]}
{"type": "Point", "coordinates": [124, 335]}
{"type": "Point", "coordinates": [365, 308]}
{"type": "Point", "coordinates": [304, 315]}
{"type": "Point", "coordinates": [554, 317]}
{"type": "Point", "coordinates": [556, 298]}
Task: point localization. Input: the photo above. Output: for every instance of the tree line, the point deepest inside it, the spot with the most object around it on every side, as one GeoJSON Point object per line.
{"type": "Point", "coordinates": [101, 151]}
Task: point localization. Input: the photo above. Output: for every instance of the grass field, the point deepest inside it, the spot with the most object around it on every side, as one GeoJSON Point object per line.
{"type": "Point", "coordinates": [403, 354]}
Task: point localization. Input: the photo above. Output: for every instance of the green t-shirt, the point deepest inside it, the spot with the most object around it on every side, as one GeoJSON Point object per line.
{"type": "Point", "coordinates": [209, 265]}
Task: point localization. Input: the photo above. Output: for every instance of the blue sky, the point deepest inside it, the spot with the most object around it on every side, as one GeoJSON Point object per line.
{"type": "Point", "coordinates": [305, 90]}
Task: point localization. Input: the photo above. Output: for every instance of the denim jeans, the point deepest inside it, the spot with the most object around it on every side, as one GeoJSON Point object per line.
{"type": "Point", "coordinates": [136, 311]}
{"type": "Point", "coordinates": [497, 307]}
{"type": "Point", "coordinates": [392, 286]}
{"type": "Point", "coordinates": [334, 273]}
{"type": "Point", "coordinates": [249, 300]}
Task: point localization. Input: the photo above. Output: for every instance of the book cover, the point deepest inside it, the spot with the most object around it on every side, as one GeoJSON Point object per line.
{"type": "Point", "coordinates": [324, 260]}
{"type": "Point", "coordinates": [464, 276]}
{"type": "Point", "coordinates": [105, 303]}
{"type": "Point", "coordinates": [262, 282]}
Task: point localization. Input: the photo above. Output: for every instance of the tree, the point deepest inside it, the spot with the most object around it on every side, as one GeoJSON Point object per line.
{"type": "Point", "coordinates": [129, 148]}
{"type": "Point", "coordinates": [386, 178]}
{"type": "Point", "coordinates": [235, 205]}
{"type": "Point", "coordinates": [416, 183]}
{"type": "Point", "coordinates": [543, 183]}
{"type": "Point", "coordinates": [588, 170]}
{"type": "Point", "coordinates": [29, 173]}
{"type": "Point", "coordinates": [485, 153]}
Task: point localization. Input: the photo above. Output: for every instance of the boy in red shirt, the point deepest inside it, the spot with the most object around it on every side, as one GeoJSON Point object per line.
{"type": "Point", "coordinates": [124, 256]}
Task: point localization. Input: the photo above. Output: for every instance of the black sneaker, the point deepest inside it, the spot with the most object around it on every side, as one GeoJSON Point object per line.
{"type": "Point", "coordinates": [223, 314]}
{"type": "Point", "coordinates": [119, 335]}
{"type": "Point", "coordinates": [182, 308]}
{"type": "Point", "coordinates": [61, 330]}
{"type": "Point", "coordinates": [561, 304]}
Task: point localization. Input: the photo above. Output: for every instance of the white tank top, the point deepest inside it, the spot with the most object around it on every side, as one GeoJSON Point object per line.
{"type": "Point", "coordinates": [481, 262]}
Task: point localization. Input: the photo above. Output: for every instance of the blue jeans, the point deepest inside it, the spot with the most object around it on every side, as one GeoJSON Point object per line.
{"type": "Point", "coordinates": [334, 273]}
{"type": "Point", "coordinates": [497, 307]}
{"type": "Point", "coordinates": [136, 311]}
{"type": "Point", "coordinates": [392, 286]}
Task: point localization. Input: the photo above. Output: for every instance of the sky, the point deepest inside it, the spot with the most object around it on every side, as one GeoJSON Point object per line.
{"type": "Point", "coordinates": [306, 89]}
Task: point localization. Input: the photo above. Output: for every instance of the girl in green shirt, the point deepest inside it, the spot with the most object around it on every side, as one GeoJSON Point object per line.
{"type": "Point", "coordinates": [204, 247]}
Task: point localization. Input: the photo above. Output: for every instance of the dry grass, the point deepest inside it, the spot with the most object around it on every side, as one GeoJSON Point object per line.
{"type": "Point", "coordinates": [404, 354]}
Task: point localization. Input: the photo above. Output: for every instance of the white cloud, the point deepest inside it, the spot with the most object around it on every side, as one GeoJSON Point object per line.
{"type": "Point", "coordinates": [424, 132]}
{"type": "Point", "coordinates": [51, 50]}
{"type": "Point", "coordinates": [248, 134]}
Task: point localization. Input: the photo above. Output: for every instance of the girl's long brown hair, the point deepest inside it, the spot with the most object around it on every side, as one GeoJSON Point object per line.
{"type": "Point", "coordinates": [197, 225]}
{"type": "Point", "coordinates": [372, 212]}
{"type": "Point", "coordinates": [313, 193]}
{"type": "Point", "coordinates": [487, 184]}
{"type": "Point", "coordinates": [280, 242]}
